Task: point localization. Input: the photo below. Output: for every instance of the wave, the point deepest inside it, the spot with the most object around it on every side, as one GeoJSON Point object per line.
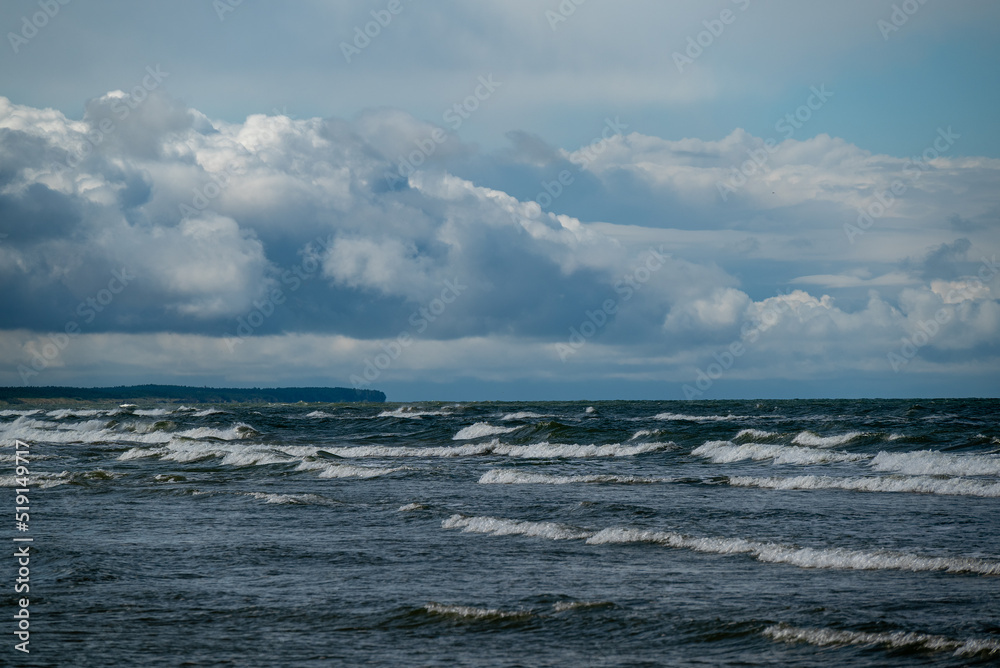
{"type": "Point", "coordinates": [535, 451]}
{"type": "Point", "coordinates": [802, 557]}
{"type": "Point", "coordinates": [21, 412]}
{"type": "Point", "coordinates": [913, 484]}
{"type": "Point", "coordinates": [347, 470]}
{"type": "Point", "coordinates": [319, 414]}
{"type": "Point", "coordinates": [153, 412]}
{"type": "Point", "coordinates": [932, 462]}
{"type": "Point", "coordinates": [496, 526]}
{"type": "Point", "coordinates": [563, 606]}
{"type": "Point", "coordinates": [292, 499]}
{"type": "Point", "coordinates": [60, 413]}
{"type": "Point", "coordinates": [410, 507]}
{"type": "Point", "coordinates": [809, 438]}
{"type": "Point", "coordinates": [100, 431]}
{"type": "Point", "coordinates": [467, 612]}
{"type": "Point", "coordinates": [208, 411]}
{"type": "Point", "coordinates": [646, 433]}
{"type": "Point", "coordinates": [681, 417]}
{"type": "Point", "coordinates": [523, 415]}
{"type": "Point", "coordinates": [141, 453]}
{"type": "Point", "coordinates": [891, 640]}
{"type": "Point", "coordinates": [480, 429]}
{"type": "Point", "coordinates": [516, 477]}
{"type": "Point", "coordinates": [725, 452]}
{"type": "Point", "coordinates": [410, 413]}
{"type": "Point", "coordinates": [752, 434]}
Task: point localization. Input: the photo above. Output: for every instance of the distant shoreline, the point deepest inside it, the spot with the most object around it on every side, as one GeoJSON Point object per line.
{"type": "Point", "coordinates": [184, 394]}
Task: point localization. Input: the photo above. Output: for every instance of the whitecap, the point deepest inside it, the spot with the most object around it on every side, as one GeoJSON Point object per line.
{"type": "Point", "coordinates": [892, 640]}
{"type": "Point", "coordinates": [932, 462]}
{"type": "Point", "coordinates": [681, 417]}
{"type": "Point", "coordinates": [480, 429]}
{"type": "Point", "coordinates": [912, 484]}
{"type": "Point", "coordinates": [809, 438]}
{"type": "Point", "coordinates": [516, 477]}
{"type": "Point", "coordinates": [496, 526]}
{"type": "Point", "coordinates": [522, 415]}
{"type": "Point", "coordinates": [725, 452]}
{"type": "Point", "coordinates": [410, 507]}
{"type": "Point", "coordinates": [468, 612]}
{"type": "Point", "coordinates": [766, 552]}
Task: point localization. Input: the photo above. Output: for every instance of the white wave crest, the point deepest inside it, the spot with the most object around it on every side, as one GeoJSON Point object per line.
{"type": "Point", "coordinates": [467, 612]}
{"type": "Point", "coordinates": [496, 526]}
{"type": "Point", "coordinates": [681, 417]}
{"type": "Point", "coordinates": [318, 414]}
{"type": "Point", "coordinates": [725, 452]}
{"type": "Point", "coordinates": [893, 640]}
{"type": "Point", "coordinates": [410, 413]}
{"type": "Point", "coordinates": [931, 462]}
{"type": "Point", "coordinates": [208, 411]}
{"type": "Point", "coordinates": [913, 484]}
{"type": "Point", "coordinates": [516, 477]}
{"type": "Point", "coordinates": [410, 507]}
{"type": "Point", "coordinates": [346, 470]}
{"type": "Point", "coordinates": [495, 447]}
{"type": "Point", "coordinates": [556, 450]}
{"type": "Point", "coordinates": [292, 499]}
{"type": "Point", "coordinates": [61, 413]}
{"type": "Point", "coordinates": [802, 557]}
{"type": "Point", "coordinates": [479, 430]}
{"type": "Point", "coordinates": [809, 438]}
{"type": "Point", "coordinates": [140, 453]}
{"type": "Point", "coordinates": [151, 412]}
{"type": "Point", "coordinates": [752, 434]}
{"type": "Point", "coordinates": [522, 415]}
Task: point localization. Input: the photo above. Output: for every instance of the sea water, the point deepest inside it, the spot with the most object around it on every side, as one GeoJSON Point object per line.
{"type": "Point", "coordinates": [798, 533]}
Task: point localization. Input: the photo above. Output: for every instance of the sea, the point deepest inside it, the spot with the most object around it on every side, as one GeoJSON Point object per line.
{"type": "Point", "coordinates": [612, 533]}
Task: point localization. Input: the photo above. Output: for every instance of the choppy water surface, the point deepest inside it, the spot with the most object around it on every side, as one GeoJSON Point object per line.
{"type": "Point", "coordinates": [503, 534]}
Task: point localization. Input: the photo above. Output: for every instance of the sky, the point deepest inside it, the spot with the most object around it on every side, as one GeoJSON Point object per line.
{"type": "Point", "coordinates": [517, 200]}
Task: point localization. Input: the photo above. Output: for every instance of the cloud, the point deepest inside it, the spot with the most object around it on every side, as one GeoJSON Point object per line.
{"type": "Point", "coordinates": [306, 230]}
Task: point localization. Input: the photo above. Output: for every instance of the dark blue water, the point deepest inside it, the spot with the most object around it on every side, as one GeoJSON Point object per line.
{"type": "Point", "coordinates": [800, 533]}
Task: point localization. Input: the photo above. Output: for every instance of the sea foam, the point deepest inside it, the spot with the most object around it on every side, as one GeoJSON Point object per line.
{"type": "Point", "coordinates": [516, 477]}
{"type": "Point", "coordinates": [891, 640]}
{"type": "Point", "coordinates": [913, 484]}
{"type": "Point", "coordinates": [480, 429]}
{"type": "Point", "coordinates": [725, 452]}
{"type": "Point", "coordinates": [766, 552]}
